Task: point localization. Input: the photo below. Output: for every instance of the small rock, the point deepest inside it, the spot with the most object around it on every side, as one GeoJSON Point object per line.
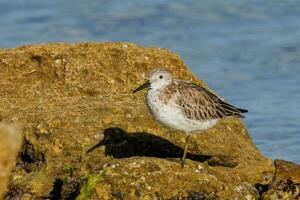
{"type": "Point", "coordinates": [42, 129]}
{"type": "Point", "coordinates": [286, 182]}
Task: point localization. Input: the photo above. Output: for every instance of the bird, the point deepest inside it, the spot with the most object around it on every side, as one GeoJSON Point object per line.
{"type": "Point", "coordinates": [183, 105]}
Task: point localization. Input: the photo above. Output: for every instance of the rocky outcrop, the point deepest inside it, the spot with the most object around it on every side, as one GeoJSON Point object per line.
{"type": "Point", "coordinates": [11, 141]}
{"type": "Point", "coordinates": [70, 98]}
{"type": "Point", "coordinates": [286, 182]}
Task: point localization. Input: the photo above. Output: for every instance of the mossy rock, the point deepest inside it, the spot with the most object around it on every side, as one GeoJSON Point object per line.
{"type": "Point", "coordinates": [70, 97]}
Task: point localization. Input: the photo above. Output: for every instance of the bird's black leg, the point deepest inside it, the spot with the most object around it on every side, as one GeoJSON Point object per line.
{"type": "Point", "coordinates": [185, 149]}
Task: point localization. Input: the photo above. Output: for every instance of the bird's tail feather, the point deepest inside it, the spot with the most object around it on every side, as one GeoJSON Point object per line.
{"type": "Point", "coordinates": [242, 110]}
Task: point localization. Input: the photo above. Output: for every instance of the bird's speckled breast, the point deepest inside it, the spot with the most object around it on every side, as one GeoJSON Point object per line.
{"type": "Point", "coordinates": [163, 111]}
{"type": "Point", "coordinates": [154, 102]}
{"type": "Point", "coordinates": [170, 115]}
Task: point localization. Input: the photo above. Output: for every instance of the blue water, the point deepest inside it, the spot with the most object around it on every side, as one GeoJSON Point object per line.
{"type": "Point", "coordinates": [248, 51]}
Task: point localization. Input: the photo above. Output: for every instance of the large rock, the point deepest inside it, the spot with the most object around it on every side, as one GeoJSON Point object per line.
{"type": "Point", "coordinates": [11, 141]}
{"type": "Point", "coordinates": [72, 97]}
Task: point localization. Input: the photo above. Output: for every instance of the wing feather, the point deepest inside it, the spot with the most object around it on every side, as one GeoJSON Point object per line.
{"type": "Point", "coordinates": [199, 103]}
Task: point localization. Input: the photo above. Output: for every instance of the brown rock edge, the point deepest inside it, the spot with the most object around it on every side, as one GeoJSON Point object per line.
{"type": "Point", "coordinates": [70, 97]}
{"type": "Point", "coordinates": [11, 141]}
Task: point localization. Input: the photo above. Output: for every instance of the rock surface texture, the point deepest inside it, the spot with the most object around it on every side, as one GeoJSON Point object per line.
{"type": "Point", "coordinates": [71, 97]}
{"type": "Point", "coordinates": [286, 182]}
{"type": "Point", "coordinates": [11, 141]}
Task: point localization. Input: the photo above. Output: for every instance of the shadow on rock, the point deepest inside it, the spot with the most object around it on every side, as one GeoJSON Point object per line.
{"type": "Point", "coordinates": [120, 144]}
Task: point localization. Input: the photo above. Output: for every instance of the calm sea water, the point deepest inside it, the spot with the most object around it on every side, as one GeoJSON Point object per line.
{"type": "Point", "coordinates": [248, 51]}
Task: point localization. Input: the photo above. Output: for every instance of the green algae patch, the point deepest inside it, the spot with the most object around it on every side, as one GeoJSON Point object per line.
{"type": "Point", "coordinates": [68, 171]}
{"type": "Point", "coordinates": [87, 189]}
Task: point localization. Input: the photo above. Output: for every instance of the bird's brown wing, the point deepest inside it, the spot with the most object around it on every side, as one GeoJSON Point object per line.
{"type": "Point", "coordinates": [199, 103]}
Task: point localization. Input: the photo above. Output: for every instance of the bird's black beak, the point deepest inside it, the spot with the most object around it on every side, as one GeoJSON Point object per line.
{"type": "Point", "coordinates": [145, 85]}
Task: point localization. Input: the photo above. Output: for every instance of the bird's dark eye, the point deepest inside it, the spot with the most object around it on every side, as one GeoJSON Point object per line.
{"type": "Point", "coordinates": [161, 76]}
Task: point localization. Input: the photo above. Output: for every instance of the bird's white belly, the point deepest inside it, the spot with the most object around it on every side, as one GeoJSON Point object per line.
{"type": "Point", "coordinates": [172, 116]}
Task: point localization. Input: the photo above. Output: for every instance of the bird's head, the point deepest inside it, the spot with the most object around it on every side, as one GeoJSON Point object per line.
{"type": "Point", "coordinates": [158, 78]}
